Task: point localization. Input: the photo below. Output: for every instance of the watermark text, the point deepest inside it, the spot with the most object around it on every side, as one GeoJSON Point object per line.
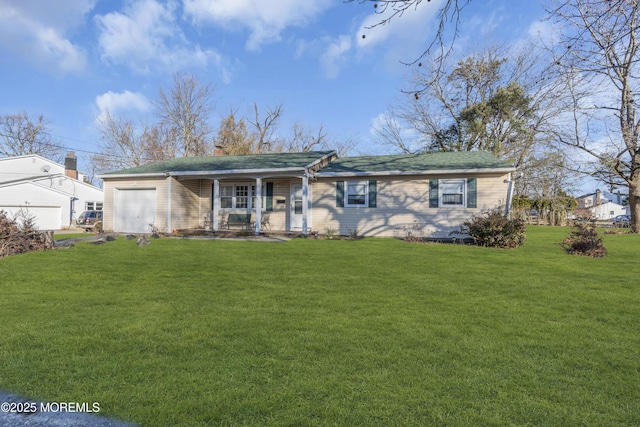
{"type": "Point", "coordinates": [32, 407]}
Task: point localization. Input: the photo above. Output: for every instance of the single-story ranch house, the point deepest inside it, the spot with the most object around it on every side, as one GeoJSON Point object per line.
{"type": "Point", "coordinates": [430, 194]}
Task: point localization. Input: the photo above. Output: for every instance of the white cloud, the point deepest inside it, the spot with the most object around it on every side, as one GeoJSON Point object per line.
{"type": "Point", "coordinates": [114, 103]}
{"type": "Point", "coordinates": [335, 55]}
{"type": "Point", "coordinates": [410, 28]}
{"type": "Point", "coordinates": [403, 38]}
{"type": "Point", "coordinates": [146, 34]}
{"type": "Point", "coordinates": [264, 19]}
{"type": "Point", "coordinates": [35, 30]}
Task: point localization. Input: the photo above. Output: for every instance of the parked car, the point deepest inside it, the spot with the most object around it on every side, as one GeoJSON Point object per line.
{"type": "Point", "coordinates": [90, 220]}
{"type": "Point", "coordinates": [621, 221]}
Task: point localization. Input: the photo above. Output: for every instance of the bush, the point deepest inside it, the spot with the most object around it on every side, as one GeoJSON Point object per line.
{"type": "Point", "coordinates": [584, 240]}
{"type": "Point", "coordinates": [495, 230]}
{"type": "Point", "coordinates": [16, 238]}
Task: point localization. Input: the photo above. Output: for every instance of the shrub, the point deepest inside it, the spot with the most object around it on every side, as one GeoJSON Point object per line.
{"type": "Point", "coordinates": [16, 237]}
{"type": "Point", "coordinates": [330, 233]}
{"type": "Point", "coordinates": [495, 230]}
{"type": "Point", "coordinates": [584, 240]}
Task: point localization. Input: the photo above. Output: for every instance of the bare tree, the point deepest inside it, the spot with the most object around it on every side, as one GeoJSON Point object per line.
{"type": "Point", "coordinates": [187, 107]}
{"type": "Point", "coordinates": [21, 134]}
{"type": "Point", "coordinates": [303, 139]}
{"type": "Point", "coordinates": [599, 49]}
{"type": "Point", "coordinates": [265, 128]}
{"type": "Point", "coordinates": [121, 147]}
{"type": "Point", "coordinates": [160, 142]}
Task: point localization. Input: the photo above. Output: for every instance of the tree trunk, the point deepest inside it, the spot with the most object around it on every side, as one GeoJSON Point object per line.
{"type": "Point", "coordinates": [634, 203]}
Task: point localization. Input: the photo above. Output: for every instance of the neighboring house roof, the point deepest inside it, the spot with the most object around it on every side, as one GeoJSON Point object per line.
{"type": "Point", "coordinates": [405, 164]}
{"type": "Point", "coordinates": [228, 164]}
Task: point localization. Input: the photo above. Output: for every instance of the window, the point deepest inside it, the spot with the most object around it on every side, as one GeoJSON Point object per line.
{"type": "Point", "coordinates": [453, 193]}
{"type": "Point", "coordinates": [226, 196]}
{"type": "Point", "coordinates": [93, 206]}
{"type": "Point", "coordinates": [356, 194]}
{"type": "Point", "coordinates": [242, 196]}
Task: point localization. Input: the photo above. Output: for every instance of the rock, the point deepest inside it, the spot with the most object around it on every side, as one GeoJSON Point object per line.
{"type": "Point", "coordinates": [98, 242]}
{"type": "Point", "coordinates": [130, 237]}
{"type": "Point", "coordinates": [65, 244]}
{"type": "Point", "coordinates": [110, 238]}
{"type": "Point", "coordinates": [155, 236]}
{"type": "Point", "coordinates": [143, 241]}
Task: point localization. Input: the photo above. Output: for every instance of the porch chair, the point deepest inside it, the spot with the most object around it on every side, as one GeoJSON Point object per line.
{"type": "Point", "coordinates": [208, 220]}
{"type": "Point", "coordinates": [264, 221]}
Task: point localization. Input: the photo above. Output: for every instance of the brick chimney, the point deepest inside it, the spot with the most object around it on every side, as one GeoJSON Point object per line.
{"type": "Point", "coordinates": [218, 151]}
{"type": "Point", "coordinates": [71, 165]}
{"type": "Point", "coordinates": [598, 197]}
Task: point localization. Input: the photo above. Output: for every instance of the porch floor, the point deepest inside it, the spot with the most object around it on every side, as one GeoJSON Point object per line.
{"type": "Point", "coordinates": [237, 233]}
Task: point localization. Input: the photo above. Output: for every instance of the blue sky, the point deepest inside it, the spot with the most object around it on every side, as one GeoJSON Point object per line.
{"type": "Point", "coordinates": [69, 60]}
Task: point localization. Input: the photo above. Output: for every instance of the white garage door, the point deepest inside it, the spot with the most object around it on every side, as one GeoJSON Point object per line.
{"type": "Point", "coordinates": [135, 211]}
{"type": "Point", "coordinates": [46, 217]}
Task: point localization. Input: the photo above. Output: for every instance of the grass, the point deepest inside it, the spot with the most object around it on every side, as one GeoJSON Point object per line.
{"type": "Point", "coordinates": [367, 332]}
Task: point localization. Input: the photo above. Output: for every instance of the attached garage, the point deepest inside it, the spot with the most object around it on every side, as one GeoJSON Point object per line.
{"type": "Point", "coordinates": [135, 210]}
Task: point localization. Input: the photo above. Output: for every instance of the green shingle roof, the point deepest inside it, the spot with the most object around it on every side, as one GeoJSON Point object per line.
{"type": "Point", "coordinates": [415, 163]}
{"type": "Point", "coordinates": [467, 160]}
{"type": "Point", "coordinates": [228, 163]}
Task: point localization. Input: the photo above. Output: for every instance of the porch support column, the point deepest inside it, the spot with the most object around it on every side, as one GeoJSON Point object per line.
{"type": "Point", "coordinates": [216, 204]}
{"type": "Point", "coordinates": [258, 205]}
{"type": "Point", "coordinates": [169, 196]}
{"type": "Point", "coordinates": [305, 204]}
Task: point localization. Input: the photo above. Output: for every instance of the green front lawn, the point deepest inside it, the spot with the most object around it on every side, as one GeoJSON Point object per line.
{"type": "Point", "coordinates": [368, 332]}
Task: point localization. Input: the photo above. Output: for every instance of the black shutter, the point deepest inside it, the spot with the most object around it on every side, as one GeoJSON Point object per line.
{"type": "Point", "coordinates": [340, 194]}
{"type": "Point", "coordinates": [472, 193]}
{"type": "Point", "coordinates": [269, 203]}
{"type": "Point", "coordinates": [433, 193]}
{"type": "Point", "coordinates": [373, 193]}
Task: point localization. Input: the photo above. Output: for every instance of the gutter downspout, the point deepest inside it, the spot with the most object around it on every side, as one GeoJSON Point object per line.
{"type": "Point", "coordinates": [511, 181]}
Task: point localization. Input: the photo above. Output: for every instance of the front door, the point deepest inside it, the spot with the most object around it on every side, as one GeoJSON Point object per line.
{"type": "Point", "coordinates": [295, 212]}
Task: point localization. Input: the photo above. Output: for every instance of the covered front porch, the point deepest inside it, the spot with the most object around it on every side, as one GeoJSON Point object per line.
{"type": "Point", "coordinates": [235, 203]}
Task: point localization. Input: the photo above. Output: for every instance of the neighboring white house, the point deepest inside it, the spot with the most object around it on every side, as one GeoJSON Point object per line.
{"type": "Point", "coordinates": [607, 210]}
{"type": "Point", "coordinates": [600, 207]}
{"type": "Point", "coordinates": [54, 194]}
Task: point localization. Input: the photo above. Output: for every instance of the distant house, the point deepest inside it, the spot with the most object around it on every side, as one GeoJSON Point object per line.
{"type": "Point", "coordinates": [607, 210]}
{"type": "Point", "coordinates": [54, 194]}
{"type": "Point", "coordinates": [431, 194]}
{"type": "Point", "coordinates": [589, 200]}
{"type": "Point", "coordinates": [600, 208]}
